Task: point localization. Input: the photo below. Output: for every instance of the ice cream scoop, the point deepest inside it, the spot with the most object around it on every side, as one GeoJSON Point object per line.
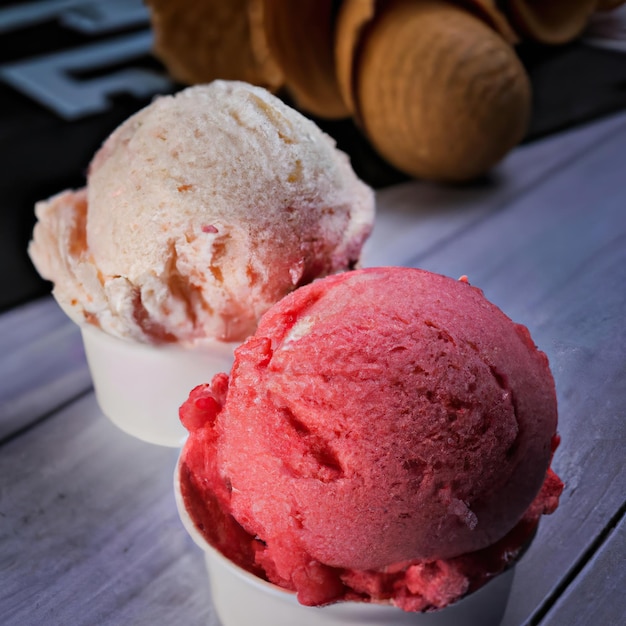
{"type": "Point", "coordinates": [386, 435]}
{"type": "Point", "coordinates": [201, 211]}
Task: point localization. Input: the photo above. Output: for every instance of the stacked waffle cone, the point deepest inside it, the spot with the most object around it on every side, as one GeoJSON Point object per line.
{"type": "Point", "coordinates": [435, 85]}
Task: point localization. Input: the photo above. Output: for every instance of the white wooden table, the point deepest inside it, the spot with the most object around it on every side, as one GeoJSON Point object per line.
{"type": "Point", "coordinates": [88, 528]}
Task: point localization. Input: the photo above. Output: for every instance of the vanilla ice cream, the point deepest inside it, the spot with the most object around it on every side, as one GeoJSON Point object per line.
{"type": "Point", "coordinates": [201, 211]}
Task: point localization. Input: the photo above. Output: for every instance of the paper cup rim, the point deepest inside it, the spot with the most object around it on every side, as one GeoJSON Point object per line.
{"type": "Point", "coordinates": [209, 344]}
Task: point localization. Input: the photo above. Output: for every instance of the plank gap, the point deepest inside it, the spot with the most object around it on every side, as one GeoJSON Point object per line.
{"type": "Point", "coordinates": [42, 418]}
{"type": "Point", "coordinates": [571, 576]}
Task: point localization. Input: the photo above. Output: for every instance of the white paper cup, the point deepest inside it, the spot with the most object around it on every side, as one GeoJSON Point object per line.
{"type": "Point", "coordinates": [240, 598]}
{"type": "Point", "coordinates": [140, 387]}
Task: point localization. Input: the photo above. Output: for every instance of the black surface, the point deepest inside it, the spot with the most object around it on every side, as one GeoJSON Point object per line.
{"type": "Point", "coordinates": [42, 154]}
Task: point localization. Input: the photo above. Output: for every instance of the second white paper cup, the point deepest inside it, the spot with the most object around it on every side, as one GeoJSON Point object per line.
{"type": "Point", "coordinates": [140, 387]}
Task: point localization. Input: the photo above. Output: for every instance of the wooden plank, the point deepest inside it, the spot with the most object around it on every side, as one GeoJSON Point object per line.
{"type": "Point", "coordinates": [42, 364]}
{"type": "Point", "coordinates": [89, 532]}
{"type": "Point", "coordinates": [416, 218]}
{"type": "Point", "coordinates": [604, 577]}
{"type": "Point", "coordinates": [555, 260]}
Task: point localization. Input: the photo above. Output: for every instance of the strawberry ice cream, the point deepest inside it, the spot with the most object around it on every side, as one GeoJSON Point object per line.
{"type": "Point", "coordinates": [200, 211]}
{"type": "Point", "coordinates": [385, 436]}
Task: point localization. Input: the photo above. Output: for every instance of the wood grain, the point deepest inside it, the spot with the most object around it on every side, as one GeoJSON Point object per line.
{"type": "Point", "coordinates": [42, 364]}
{"type": "Point", "coordinates": [89, 529]}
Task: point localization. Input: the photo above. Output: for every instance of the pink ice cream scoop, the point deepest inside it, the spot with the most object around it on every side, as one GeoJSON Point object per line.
{"type": "Point", "coordinates": [386, 435]}
{"type": "Point", "coordinates": [201, 211]}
